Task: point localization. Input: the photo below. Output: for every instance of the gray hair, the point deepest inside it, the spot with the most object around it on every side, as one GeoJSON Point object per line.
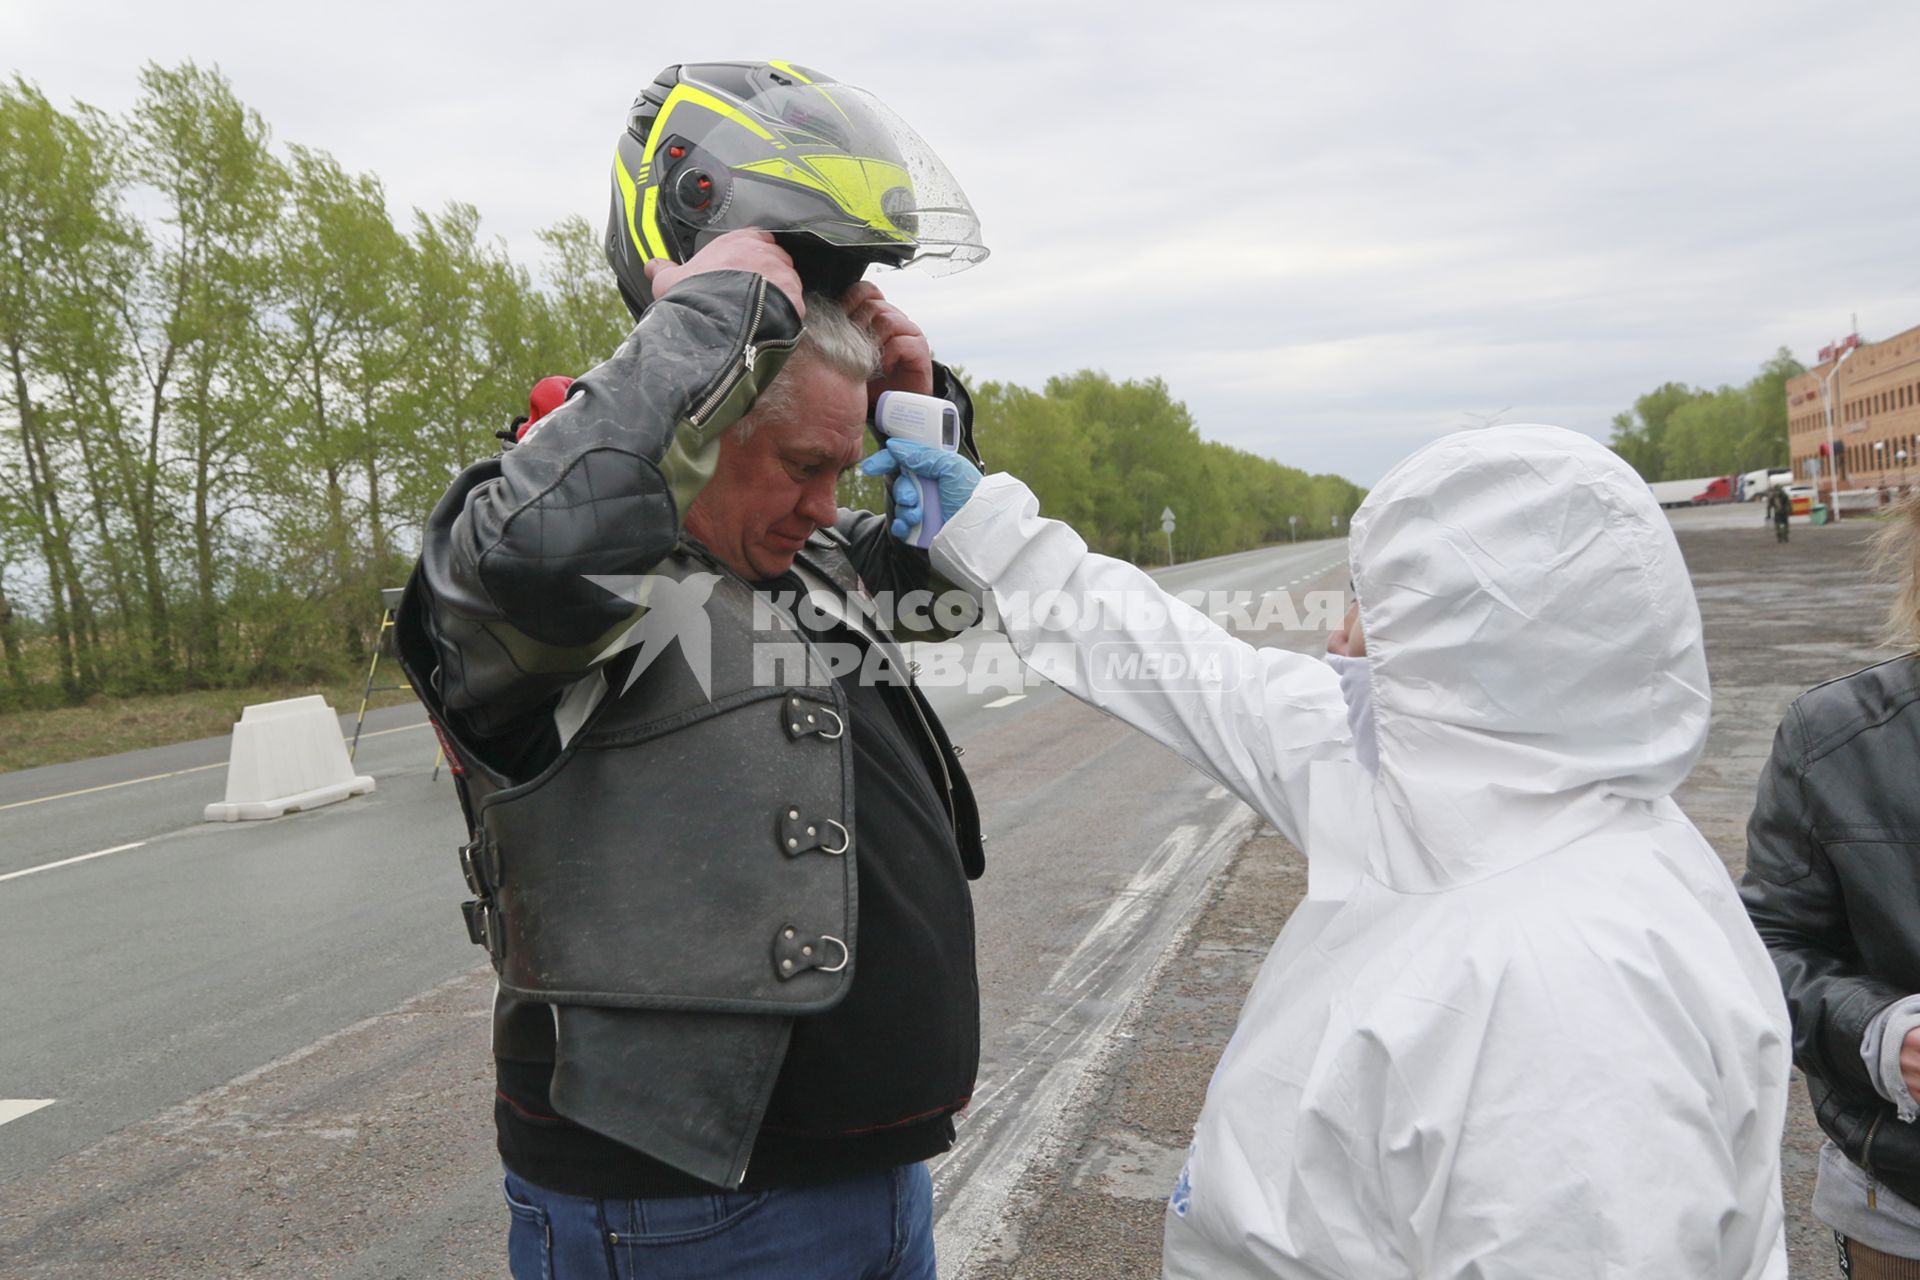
{"type": "Point", "coordinates": [1896, 555]}
{"type": "Point", "coordinates": [829, 337]}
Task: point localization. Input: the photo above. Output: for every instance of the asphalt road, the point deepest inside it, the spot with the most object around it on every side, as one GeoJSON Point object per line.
{"type": "Point", "coordinates": [261, 1047]}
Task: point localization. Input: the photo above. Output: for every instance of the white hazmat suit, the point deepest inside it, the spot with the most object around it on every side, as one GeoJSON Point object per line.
{"type": "Point", "coordinates": [1520, 1028]}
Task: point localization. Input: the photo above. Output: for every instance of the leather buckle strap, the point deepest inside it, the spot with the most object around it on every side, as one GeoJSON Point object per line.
{"type": "Point", "coordinates": [795, 952]}
{"type": "Point", "coordinates": [798, 835]}
{"type": "Point", "coordinates": [804, 718]}
{"type": "Point", "coordinates": [480, 864]}
{"type": "Point", "coordinates": [480, 867]}
{"type": "Point", "coordinates": [470, 869]}
{"type": "Point", "coordinates": [483, 924]}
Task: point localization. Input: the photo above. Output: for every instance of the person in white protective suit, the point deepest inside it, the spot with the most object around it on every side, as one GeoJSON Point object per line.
{"type": "Point", "coordinates": [1521, 1027]}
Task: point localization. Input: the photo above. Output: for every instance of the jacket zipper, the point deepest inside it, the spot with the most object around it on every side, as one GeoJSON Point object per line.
{"type": "Point", "coordinates": [1866, 1162]}
{"type": "Point", "coordinates": [749, 354]}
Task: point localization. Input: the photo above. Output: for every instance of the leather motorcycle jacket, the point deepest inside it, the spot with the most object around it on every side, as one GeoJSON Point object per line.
{"type": "Point", "coordinates": [663, 891]}
{"type": "Point", "coordinates": [1832, 883]}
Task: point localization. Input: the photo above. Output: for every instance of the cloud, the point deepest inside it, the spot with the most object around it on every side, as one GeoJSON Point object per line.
{"type": "Point", "coordinates": [1332, 229]}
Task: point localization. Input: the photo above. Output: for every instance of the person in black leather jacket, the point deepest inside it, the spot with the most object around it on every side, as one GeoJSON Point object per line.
{"type": "Point", "coordinates": [1833, 886]}
{"type": "Point", "coordinates": [683, 1119]}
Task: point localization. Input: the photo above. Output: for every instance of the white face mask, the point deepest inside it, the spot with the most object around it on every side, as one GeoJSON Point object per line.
{"type": "Point", "coordinates": [1356, 686]}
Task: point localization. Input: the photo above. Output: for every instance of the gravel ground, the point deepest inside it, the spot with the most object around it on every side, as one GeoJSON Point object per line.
{"type": "Point", "coordinates": [1779, 619]}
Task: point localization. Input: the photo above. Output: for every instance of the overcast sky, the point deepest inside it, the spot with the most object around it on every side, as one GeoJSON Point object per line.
{"type": "Point", "coordinates": [1335, 230]}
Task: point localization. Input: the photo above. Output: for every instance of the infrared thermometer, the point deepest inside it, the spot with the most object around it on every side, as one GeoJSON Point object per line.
{"type": "Point", "coordinates": [927, 420]}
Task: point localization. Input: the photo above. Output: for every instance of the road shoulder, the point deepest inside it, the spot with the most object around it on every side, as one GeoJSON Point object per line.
{"type": "Point", "coordinates": [1093, 1210]}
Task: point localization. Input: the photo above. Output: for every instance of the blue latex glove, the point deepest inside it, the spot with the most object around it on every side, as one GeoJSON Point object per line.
{"type": "Point", "coordinates": [903, 460]}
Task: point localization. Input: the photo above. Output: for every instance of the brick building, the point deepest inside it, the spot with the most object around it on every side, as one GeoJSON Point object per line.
{"type": "Point", "coordinates": [1876, 415]}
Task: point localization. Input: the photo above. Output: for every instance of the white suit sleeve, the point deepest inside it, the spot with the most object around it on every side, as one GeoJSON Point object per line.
{"type": "Point", "coordinates": [1254, 719]}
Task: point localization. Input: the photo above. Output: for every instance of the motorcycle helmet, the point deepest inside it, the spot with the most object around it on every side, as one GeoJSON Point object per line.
{"type": "Point", "coordinates": [839, 179]}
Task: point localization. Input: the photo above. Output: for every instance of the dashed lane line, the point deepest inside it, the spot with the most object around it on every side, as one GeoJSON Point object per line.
{"type": "Point", "coordinates": [67, 862]}
{"type": "Point", "coordinates": [1007, 701]}
{"type": "Point", "coordinates": [156, 777]}
{"type": "Point", "coordinates": [12, 1109]}
{"type": "Point", "coordinates": [108, 786]}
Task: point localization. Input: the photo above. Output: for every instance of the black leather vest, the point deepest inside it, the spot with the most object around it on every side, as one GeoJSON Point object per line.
{"type": "Point", "coordinates": [678, 882]}
{"type": "Point", "coordinates": [691, 847]}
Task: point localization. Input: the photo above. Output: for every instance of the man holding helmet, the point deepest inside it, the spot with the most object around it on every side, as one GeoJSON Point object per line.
{"type": "Point", "coordinates": [722, 875]}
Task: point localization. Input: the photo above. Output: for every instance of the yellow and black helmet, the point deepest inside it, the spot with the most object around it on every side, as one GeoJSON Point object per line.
{"type": "Point", "coordinates": [840, 180]}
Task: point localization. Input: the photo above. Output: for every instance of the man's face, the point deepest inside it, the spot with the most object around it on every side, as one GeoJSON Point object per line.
{"type": "Point", "coordinates": [770, 493]}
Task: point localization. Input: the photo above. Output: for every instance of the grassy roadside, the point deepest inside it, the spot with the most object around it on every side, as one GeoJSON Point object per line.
{"type": "Point", "coordinates": [104, 726]}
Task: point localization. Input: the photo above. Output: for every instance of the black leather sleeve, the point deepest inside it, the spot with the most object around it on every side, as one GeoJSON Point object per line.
{"type": "Point", "coordinates": [1792, 893]}
{"type": "Point", "coordinates": [598, 489]}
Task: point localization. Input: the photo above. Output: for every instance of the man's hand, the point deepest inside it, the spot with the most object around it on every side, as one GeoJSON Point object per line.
{"type": "Point", "coordinates": [906, 359]}
{"type": "Point", "coordinates": [752, 251]}
{"type": "Point", "coordinates": [903, 460]}
{"type": "Point", "coordinates": [1910, 1062]}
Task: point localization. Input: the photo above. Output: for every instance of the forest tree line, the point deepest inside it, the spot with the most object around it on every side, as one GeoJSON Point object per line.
{"type": "Point", "coordinates": [1677, 432]}
{"type": "Point", "coordinates": [235, 387]}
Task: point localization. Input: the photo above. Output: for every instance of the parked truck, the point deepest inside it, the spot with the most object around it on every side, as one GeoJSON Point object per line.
{"type": "Point", "coordinates": [1694, 493]}
{"type": "Point", "coordinates": [1755, 485]}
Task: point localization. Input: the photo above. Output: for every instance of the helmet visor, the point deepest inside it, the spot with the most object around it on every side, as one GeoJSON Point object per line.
{"type": "Point", "coordinates": [820, 158]}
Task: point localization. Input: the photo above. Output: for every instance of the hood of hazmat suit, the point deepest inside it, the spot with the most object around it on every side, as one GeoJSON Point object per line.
{"type": "Point", "coordinates": [1520, 1028]}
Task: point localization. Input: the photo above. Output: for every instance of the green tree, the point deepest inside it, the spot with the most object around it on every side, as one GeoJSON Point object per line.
{"type": "Point", "coordinates": [338, 257]}
{"type": "Point", "coordinates": [13, 536]}
{"type": "Point", "coordinates": [462, 329]}
{"type": "Point", "coordinates": [1108, 457]}
{"type": "Point", "coordinates": [1640, 437]}
{"type": "Point", "coordinates": [222, 190]}
{"type": "Point", "coordinates": [60, 234]}
{"type": "Point", "coordinates": [1677, 432]}
{"type": "Point", "coordinates": [1765, 443]}
{"type": "Point", "coordinates": [585, 317]}
{"type": "Point", "coordinates": [1042, 440]}
{"type": "Point", "coordinates": [1703, 435]}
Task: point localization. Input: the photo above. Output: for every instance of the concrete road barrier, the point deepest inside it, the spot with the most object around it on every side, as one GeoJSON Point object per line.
{"type": "Point", "coordinates": [286, 756]}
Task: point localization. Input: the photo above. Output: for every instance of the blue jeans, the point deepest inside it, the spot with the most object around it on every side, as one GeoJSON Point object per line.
{"type": "Point", "coordinates": [879, 1227]}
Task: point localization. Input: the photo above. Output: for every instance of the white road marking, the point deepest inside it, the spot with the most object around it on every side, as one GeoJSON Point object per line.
{"type": "Point", "coordinates": [1007, 701]}
{"type": "Point", "coordinates": [1101, 984]}
{"type": "Point", "coordinates": [12, 1109]}
{"type": "Point", "coordinates": [108, 786]}
{"type": "Point", "coordinates": [67, 862]}
{"type": "Point", "coordinates": [155, 777]}
{"type": "Point", "coordinates": [1217, 792]}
